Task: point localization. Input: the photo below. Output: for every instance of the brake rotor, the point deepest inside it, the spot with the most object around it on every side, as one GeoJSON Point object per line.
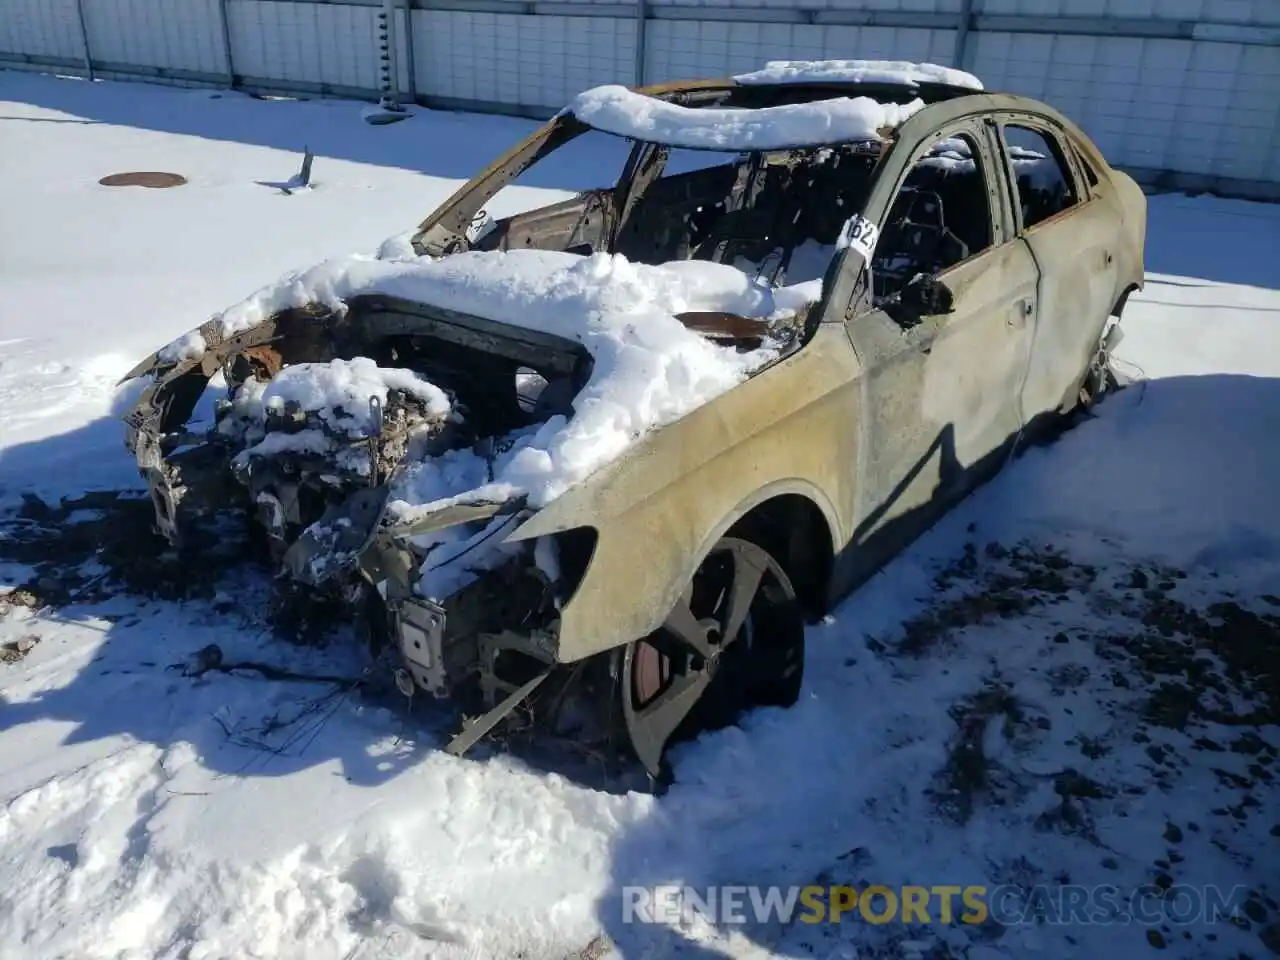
{"type": "Point", "coordinates": [154, 179]}
{"type": "Point", "coordinates": [650, 671]}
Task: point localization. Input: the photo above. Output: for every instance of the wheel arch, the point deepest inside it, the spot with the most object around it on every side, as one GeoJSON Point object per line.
{"type": "Point", "coordinates": [1121, 301]}
{"type": "Point", "coordinates": [797, 525]}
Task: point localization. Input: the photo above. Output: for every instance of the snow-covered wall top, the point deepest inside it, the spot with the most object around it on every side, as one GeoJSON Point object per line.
{"type": "Point", "coordinates": [618, 110]}
{"type": "Point", "coordinates": [858, 71]}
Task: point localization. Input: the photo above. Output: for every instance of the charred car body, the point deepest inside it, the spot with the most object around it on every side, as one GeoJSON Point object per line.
{"type": "Point", "coordinates": [940, 270]}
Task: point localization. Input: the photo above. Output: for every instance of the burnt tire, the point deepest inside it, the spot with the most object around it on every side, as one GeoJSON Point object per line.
{"type": "Point", "coordinates": [734, 641]}
{"type": "Point", "coordinates": [1100, 379]}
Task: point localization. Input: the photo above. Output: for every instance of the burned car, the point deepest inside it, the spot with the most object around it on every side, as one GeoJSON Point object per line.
{"type": "Point", "coordinates": [617, 450]}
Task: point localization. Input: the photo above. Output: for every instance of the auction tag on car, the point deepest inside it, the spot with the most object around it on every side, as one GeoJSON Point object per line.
{"type": "Point", "coordinates": [860, 234]}
{"type": "Point", "coordinates": [480, 225]}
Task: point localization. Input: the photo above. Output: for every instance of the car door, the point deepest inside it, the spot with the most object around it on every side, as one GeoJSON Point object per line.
{"type": "Point", "coordinates": [940, 390]}
{"type": "Point", "coordinates": [1071, 231]}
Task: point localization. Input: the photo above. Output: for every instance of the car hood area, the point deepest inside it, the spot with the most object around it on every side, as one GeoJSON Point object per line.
{"type": "Point", "coordinates": [437, 399]}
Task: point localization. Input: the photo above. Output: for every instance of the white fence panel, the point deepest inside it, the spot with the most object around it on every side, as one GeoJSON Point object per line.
{"type": "Point", "coordinates": [689, 49]}
{"type": "Point", "coordinates": [1235, 11]}
{"type": "Point", "coordinates": [41, 28]}
{"type": "Point", "coordinates": [520, 60]}
{"type": "Point", "coordinates": [867, 6]}
{"type": "Point", "coordinates": [1242, 11]}
{"type": "Point", "coordinates": [317, 43]}
{"type": "Point", "coordinates": [1200, 108]}
{"type": "Point", "coordinates": [897, 6]}
{"type": "Point", "coordinates": [157, 33]}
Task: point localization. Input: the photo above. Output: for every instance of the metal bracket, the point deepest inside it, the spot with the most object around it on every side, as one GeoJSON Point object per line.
{"type": "Point", "coordinates": [419, 629]}
{"type": "Point", "coordinates": [473, 730]}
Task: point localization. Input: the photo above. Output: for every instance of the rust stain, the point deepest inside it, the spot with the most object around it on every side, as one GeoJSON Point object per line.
{"type": "Point", "coordinates": [723, 325]}
{"type": "Point", "coordinates": [145, 178]}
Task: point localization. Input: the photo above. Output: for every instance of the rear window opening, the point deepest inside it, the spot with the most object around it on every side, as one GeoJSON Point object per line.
{"type": "Point", "coordinates": [1040, 170]}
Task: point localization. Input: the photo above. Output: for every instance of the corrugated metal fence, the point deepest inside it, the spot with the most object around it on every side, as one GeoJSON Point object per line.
{"type": "Point", "coordinates": [1184, 92]}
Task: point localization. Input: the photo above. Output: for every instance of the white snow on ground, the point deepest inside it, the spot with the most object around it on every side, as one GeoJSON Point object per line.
{"type": "Point", "coordinates": [149, 814]}
{"type": "Point", "coordinates": [618, 110]}
{"type": "Point", "coordinates": [858, 71]}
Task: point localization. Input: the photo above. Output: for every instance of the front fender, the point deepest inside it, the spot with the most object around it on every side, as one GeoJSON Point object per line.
{"type": "Point", "coordinates": [659, 509]}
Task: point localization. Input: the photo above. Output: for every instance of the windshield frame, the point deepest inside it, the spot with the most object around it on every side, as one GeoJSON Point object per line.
{"type": "Point", "coordinates": [444, 231]}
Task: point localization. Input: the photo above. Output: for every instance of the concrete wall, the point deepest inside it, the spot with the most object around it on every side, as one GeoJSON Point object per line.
{"type": "Point", "coordinates": [1185, 92]}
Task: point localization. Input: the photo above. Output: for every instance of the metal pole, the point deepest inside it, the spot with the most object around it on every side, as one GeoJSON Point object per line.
{"type": "Point", "coordinates": [410, 60]}
{"type": "Point", "coordinates": [226, 42]}
{"type": "Point", "coordinates": [962, 34]}
{"type": "Point", "coordinates": [642, 13]}
{"type": "Point", "coordinates": [389, 80]}
{"type": "Point", "coordinates": [84, 37]}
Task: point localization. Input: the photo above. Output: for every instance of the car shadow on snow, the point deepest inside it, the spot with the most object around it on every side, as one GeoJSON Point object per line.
{"type": "Point", "coordinates": [857, 783]}
{"type": "Point", "coordinates": [185, 648]}
{"type": "Point", "coordinates": [163, 650]}
{"type": "Point", "coordinates": [1242, 236]}
{"type": "Point", "coordinates": [435, 143]}
{"type": "Point", "coordinates": [90, 580]}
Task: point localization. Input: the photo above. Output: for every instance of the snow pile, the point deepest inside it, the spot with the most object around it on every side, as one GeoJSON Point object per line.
{"type": "Point", "coordinates": [649, 370]}
{"type": "Point", "coordinates": [617, 110]}
{"type": "Point", "coordinates": [303, 443]}
{"type": "Point", "coordinates": [335, 399]}
{"type": "Point", "coordinates": [339, 392]}
{"type": "Point", "coordinates": [189, 346]}
{"type": "Point", "coordinates": [953, 155]}
{"type": "Point", "coordinates": [423, 487]}
{"type": "Point", "coordinates": [858, 71]}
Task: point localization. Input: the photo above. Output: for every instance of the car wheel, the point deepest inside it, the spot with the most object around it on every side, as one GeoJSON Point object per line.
{"type": "Point", "coordinates": [1100, 377]}
{"type": "Point", "coordinates": [733, 641]}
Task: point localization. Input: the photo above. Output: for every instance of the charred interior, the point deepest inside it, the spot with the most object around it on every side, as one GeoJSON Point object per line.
{"type": "Point", "coordinates": [754, 213]}
{"type": "Point", "coordinates": [775, 215]}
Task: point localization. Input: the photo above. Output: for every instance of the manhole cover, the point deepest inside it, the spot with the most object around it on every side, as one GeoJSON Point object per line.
{"type": "Point", "coordinates": [143, 179]}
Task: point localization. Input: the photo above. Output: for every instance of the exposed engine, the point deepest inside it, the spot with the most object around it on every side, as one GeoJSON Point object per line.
{"type": "Point", "coordinates": [299, 461]}
{"type": "Point", "coordinates": [337, 435]}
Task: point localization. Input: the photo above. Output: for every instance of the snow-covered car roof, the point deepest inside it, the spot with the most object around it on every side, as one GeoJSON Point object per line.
{"type": "Point", "coordinates": [897, 72]}
{"type": "Point", "coordinates": [651, 116]}
{"type": "Point", "coordinates": [627, 113]}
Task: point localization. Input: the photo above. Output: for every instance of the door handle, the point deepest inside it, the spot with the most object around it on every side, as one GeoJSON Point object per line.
{"type": "Point", "coordinates": [1023, 309]}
